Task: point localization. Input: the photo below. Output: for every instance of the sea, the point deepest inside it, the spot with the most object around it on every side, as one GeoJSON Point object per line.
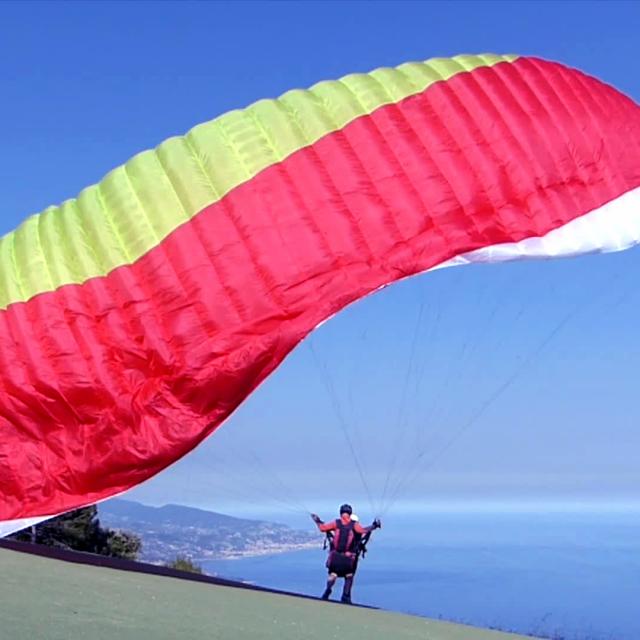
{"type": "Point", "coordinates": [566, 575]}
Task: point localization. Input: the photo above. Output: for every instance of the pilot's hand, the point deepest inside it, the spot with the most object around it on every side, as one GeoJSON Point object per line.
{"type": "Point", "coordinates": [377, 524]}
{"type": "Point", "coordinates": [316, 518]}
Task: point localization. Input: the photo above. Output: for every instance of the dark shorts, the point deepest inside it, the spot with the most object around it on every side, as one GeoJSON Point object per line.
{"type": "Point", "coordinates": [341, 564]}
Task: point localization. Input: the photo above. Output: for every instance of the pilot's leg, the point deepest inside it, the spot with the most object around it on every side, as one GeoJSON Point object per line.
{"type": "Point", "coordinates": [330, 582]}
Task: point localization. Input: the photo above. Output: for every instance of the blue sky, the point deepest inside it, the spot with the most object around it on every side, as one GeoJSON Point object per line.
{"type": "Point", "coordinates": [402, 376]}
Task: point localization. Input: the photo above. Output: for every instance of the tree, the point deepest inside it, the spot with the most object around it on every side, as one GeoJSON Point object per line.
{"type": "Point", "coordinates": [80, 530]}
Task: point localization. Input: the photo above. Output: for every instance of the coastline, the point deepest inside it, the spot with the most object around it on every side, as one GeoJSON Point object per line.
{"type": "Point", "coordinates": [259, 551]}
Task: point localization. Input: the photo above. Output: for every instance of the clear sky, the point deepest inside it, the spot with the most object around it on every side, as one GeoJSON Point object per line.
{"type": "Point", "coordinates": [514, 383]}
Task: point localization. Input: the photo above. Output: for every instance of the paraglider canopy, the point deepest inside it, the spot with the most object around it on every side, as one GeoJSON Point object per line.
{"type": "Point", "coordinates": [137, 317]}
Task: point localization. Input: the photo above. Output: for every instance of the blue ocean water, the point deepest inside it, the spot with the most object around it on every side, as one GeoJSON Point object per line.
{"type": "Point", "coordinates": [569, 576]}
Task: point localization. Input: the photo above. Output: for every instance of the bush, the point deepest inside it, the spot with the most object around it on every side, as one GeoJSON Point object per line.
{"type": "Point", "coordinates": [121, 544]}
{"type": "Point", "coordinates": [182, 563]}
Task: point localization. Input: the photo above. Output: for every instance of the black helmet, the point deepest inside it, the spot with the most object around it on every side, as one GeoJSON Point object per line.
{"type": "Point", "coordinates": [346, 508]}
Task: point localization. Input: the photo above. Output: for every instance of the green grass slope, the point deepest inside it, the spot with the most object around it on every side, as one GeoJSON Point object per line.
{"type": "Point", "coordinates": [45, 599]}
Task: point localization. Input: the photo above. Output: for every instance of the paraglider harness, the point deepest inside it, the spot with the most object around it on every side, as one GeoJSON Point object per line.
{"type": "Point", "coordinates": [358, 545]}
{"type": "Point", "coordinates": [344, 545]}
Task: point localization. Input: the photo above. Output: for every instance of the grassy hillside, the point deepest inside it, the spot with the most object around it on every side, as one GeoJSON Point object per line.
{"type": "Point", "coordinates": [42, 598]}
